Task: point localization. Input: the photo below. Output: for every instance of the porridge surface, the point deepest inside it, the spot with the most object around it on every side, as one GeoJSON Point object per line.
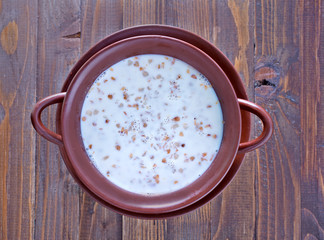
{"type": "Point", "coordinates": [151, 124]}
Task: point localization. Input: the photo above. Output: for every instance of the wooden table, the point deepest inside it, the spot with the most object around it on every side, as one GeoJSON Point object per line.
{"type": "Point", "coordinates": [277, 47]}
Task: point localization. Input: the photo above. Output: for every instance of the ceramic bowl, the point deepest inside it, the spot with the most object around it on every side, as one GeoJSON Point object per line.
{"type": "Point", "coordinates": [87, 173]}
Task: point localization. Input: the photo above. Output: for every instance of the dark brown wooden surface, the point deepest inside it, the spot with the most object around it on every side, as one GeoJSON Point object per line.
{"type": "Point", "coordinates": [277, 47]}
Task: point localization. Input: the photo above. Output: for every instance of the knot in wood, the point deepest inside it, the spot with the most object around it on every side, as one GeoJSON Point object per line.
{"type": "Point", "coordinates": [266, 80]}
{"type": "Point", "coordinates": [2, 113]}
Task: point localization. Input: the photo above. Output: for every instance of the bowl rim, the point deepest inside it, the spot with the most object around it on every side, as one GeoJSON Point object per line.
{"type": "Point", "coordinates": [116, 196]}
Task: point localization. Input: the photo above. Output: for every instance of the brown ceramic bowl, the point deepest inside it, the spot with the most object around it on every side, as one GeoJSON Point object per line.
{"type": "Point", "coordinates": [206, 47]}
{"type": "Point", "coordinates": [94, 180]}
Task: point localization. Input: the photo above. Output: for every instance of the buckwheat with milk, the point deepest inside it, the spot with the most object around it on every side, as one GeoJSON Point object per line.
{"type": "Point", "coordinates": [151, 124]}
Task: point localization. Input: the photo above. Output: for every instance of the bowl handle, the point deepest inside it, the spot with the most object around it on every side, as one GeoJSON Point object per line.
{"type": "Point", "coordinates": [37, 121]}
{"type": "Point", "coordinates": [267, 126]}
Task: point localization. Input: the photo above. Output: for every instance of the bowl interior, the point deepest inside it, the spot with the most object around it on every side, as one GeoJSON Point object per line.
{"type": "Point", "coordinates": [94, 180]}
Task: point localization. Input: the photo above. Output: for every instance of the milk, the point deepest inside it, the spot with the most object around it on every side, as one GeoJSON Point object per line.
{"type": "Point", "coordinates": [151, 124]}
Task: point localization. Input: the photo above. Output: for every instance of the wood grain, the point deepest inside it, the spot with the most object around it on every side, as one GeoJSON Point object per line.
{"type": "Point", "coordinates": [233, 212]}
{"type": "Point", "coordinates": [144, 229]}
{"type": "Point", "coordinates": [99, 19]}
{"type": "Point", "coordinates": [278, 84]}
{"type": "Point", "coordinates": [18, 27]}
{"type": "Point", "coordinates": [9, 37]}
{"type": "Point", "coordinates": [137, 13]}
{"type": "Point", "coordinates": [312, 185]}
{"type": "Point", "coordinates": [191, 15]}
{"type": "Point", "coordinates": [57, 195]}
{"type": "Point", "coordinates": [194, 225]}
{"type": "Point", "coordinates": [141, 12]}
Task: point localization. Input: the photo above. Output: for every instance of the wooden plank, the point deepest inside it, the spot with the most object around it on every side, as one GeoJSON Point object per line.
{"type": "Point", "coordinates": [137, 13]}
{"type": "Point", "coordinates": [311, 119]}
{"type": "Point", "coordinates": [18, 31]}
{"type": "Point", "coordinates": [233, 212]}
{"type": "Point", "coordinates": [192, 16]}
{"type": "Point", "coordinates": [277, 88]}
{"type": "Point", "coordinates": [144, 229]}
{"type": "Point", "coordinates": [195, 16]}
{"type": "Point", "coordinates": [99, 19]}
{"type": "Point", "coordinates": [194, 225]}
{"type": "Point", "coordinates": [140, 12]}
{"type": "Point", "coordinates": [57, 194]}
